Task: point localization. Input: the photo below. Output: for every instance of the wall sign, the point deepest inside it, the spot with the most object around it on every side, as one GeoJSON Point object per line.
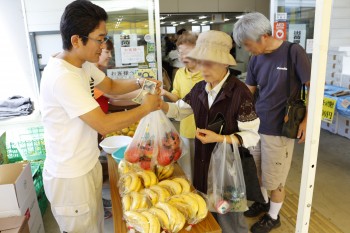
{"type": "Point", "coordinates": [280, 29]}
{"type": "Point", "coordinates": [328, 109]}
{"type": "Point", "coordinates": [297, 34]}
{"type": "Point", "coordinates": [133, 54]}
{"type": "Point", "coordinates": [122, 73]}
{"type": "Point", "coordinates": [281, 16]}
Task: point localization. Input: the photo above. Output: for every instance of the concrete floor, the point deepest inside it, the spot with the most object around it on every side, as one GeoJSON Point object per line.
{"type": "Point", "coordinates": [332, 186]}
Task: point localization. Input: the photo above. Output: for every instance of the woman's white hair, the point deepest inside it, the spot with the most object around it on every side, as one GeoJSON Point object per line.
{"type": "Point", "coordinates": [251, 27]}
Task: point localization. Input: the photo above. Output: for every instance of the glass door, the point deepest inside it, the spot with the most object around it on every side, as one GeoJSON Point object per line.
{"type": "Point", "coordinates": [134, 33]}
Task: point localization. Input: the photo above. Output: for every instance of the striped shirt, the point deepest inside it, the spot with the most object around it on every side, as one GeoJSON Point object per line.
{"type": "Point", "coordinates": [92, 86]}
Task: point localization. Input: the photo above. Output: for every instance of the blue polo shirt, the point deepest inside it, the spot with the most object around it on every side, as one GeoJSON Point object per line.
{"type": "Point", "coordinates": [269, 72]}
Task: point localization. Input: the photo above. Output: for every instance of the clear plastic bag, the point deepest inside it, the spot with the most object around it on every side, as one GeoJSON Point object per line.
{"type": "Point", "coordinates": [226, 187]}
{"type": "Point", "coordinates": [156, 141]}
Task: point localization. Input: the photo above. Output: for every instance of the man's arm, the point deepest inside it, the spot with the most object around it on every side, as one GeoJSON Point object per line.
{"type": "Point", "coordinates": [121, 86]}
{"type": "Point", "coordinates": [107, 123]}
{"type": "Point", "coordinates": [303, 124]}
{"type": "Point", "coordinates": [252, 89]}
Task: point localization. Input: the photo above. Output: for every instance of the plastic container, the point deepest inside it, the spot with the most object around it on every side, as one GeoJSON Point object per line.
{"type": "Point", "coordinates": [118, 155]}
{"type": "Point", "coordinates": [111, 144]}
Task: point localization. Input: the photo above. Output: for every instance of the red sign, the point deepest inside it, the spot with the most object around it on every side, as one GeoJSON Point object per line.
{"type": "Point", "coordinates": [280, 30]}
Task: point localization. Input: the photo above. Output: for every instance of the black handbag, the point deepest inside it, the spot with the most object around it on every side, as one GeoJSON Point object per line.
{"type": "Point", "coordinates": [248, 163]}
{"type": "Point", "coordinates": [295, 109]}
{"type": "Point", "coordinates": [250, 174]}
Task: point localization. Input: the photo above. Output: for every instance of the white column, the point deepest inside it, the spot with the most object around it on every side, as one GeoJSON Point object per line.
{"type": "Point", "coordinates": [318, 73]}
{"type": "Point", "coordinates": [158, 40]}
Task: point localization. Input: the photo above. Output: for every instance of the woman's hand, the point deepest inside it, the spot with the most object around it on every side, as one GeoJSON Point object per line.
{"type": "Point", "coordinates": [207, 136]}
{"type": "Point", "coordinates": [158, 87]}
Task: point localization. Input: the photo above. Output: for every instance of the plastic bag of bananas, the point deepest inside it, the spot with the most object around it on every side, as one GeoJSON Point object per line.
{"type": "Point", "coordinates": [136, 180]}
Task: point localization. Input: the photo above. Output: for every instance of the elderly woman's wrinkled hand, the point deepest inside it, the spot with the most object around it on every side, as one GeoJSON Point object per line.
{"type": "Point", "coordinates": [207, 136]}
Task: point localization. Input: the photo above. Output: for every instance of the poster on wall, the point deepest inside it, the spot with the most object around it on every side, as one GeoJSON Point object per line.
{"type": "Point", "coordinates": [124, 73]}
{"type": "Point", "coordinates": [133, 54]}
{"type": "Point", "coordinates": [297, 34]}
{"type": "Point", "coordinates": [280, 29]}
{"type": "Point", "coordinates": [123, 41]}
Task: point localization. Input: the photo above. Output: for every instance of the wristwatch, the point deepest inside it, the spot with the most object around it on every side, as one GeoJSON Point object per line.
{"type": "Point", "coordinates": [138, 82]}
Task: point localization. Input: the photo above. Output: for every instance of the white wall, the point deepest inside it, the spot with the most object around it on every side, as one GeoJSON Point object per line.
{"type": "Point", "coordinates": [340, 24]}
{"type": "Point", "coordinates": [197, 6]}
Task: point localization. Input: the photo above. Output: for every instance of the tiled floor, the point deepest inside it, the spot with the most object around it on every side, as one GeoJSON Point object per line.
{"type": "Point", "coordinates": [331, 204]}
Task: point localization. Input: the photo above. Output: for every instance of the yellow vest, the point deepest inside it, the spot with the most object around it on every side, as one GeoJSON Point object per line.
{"type": "Point", "coordinates": [183, 83]}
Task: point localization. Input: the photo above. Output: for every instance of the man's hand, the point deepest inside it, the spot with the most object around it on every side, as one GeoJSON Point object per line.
{"type": "Point", "coordinates": [302, 131]}
{"type": "Point", "coordinates": [207, 136]}
{"type": "Point", "coordinates": [151, 102]}
{"type": "Point", "coordinates": [159, 84]}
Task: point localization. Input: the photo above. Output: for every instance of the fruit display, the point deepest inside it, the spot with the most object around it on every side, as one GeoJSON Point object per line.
{"type": "Point", "coordinates": [164, 172]}
{"type": "Point", "coordinates": [129, 131]}
{"type": "Point", "coordinates": [156, 142]}
{"type": "Point", "coordinates": [149, 205]}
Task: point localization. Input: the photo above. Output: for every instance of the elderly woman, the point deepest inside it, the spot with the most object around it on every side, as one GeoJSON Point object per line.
{"type": "Point", "coordinates": [219, 94]}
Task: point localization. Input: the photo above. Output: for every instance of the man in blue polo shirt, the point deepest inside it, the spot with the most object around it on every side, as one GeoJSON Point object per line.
{"type": "Point", "coordinates": [268, 70]}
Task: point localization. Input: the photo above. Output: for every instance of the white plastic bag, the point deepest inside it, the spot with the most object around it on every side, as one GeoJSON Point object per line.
{"type": "Point", "coordinates": [226, 187]}
{"type": "Point", "coordinates": [156, 142]}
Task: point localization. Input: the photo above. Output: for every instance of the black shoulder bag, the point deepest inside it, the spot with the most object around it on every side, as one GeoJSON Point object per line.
{"type": "Point", "coordinates": [295, 109]}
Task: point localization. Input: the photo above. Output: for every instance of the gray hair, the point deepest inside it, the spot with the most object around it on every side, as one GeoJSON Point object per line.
{"type": "Point", "coordinates": [251, 26]}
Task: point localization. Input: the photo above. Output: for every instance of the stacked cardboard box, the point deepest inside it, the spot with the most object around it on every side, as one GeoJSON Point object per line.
{"type": "Point", "coordinates": [331, 127]}
{"type": "Point", "coordinates": [18, 195]}
{"type": "Point", "coordinates": [338, 67]}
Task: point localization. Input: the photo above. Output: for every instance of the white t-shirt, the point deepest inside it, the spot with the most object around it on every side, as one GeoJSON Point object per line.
{"type": "Point", "coordinates": [71, 144]}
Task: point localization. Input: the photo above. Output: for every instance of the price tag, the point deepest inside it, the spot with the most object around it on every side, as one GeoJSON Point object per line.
{"type": "Point", "coordinates": [345, 103]}
{"type": "Point", "coordinates": [328, 109]}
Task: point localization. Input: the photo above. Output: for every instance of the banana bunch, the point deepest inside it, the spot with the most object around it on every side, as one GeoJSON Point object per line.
{"type": "Point", "coordinates": [162, 193]}
{"type": "Point", "coordinates": [129, 182]}
{"type": "Point", "coordinates": [185, 185]}
{"type": "Point", "coordinates": [173, 187]}
{"type": "Point", "coordinates": [125, 167]}
{"type": "Point", "coordinates": [151, 195]}
{"type": "Point", "coordinates": [137, 221]}
{"type": "Point", "coordinates": [135, 201]}
{"type": "Point", "coordinates": [154, 224]}
{"type": "Point", "coordinates": [148, 178]}
{"type": "Point", "coordinates": [175, 219]}
{"type": "Point", "coordinates": [186, 204]}
{"type": "Point", "coordinates": [164, 172]}
{"type": "Point", "coordinates": [202, 206]}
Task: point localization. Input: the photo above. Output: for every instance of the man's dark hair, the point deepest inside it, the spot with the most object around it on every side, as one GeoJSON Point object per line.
{"type": "Point", "coordinates": [80, 18]}
{"type": "Point", "coordinates": [109, 45]}
{"type": "Point", "coordinates": [180, 32]}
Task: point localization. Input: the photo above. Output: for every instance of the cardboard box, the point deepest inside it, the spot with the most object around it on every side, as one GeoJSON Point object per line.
{"type": "Point", "coordinates": [31, 209]}
{"type": "Point", "coordinates": [16, 185]}
{"type": "Point", "coordinates": [17, 224]}
{"type": "Point", "coordinates": [331, 127]}
{"type": "Point", "coordinates": [38, 225]}
{"type": "Point", "coordinates": [344, 126]}
{"type": "Point", "coordinates": [345, 81]}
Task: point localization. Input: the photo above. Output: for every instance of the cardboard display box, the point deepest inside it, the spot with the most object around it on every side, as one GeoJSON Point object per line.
{"type": "Point", "coordinates": [17, 224]}
{"type": "Point", "coordinates": [333, 128]}
{"type": "Point", "coordinates": [344, 126]}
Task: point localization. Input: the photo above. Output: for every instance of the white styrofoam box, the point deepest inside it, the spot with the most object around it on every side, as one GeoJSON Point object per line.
{"type": "Point", "coordinates": [31, 209]}
{"type": "Point", "coordinates": [331, 127]}
{"type": "Point", "coordinates": [344, 126]}
{"type": "Point", "coordinates": [16, 183]}
{"type": "Point", "coordinates": [344, 49]}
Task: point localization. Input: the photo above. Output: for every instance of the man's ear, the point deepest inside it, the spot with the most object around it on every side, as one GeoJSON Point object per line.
{"type": "Point", "coordinates": [75, 40]}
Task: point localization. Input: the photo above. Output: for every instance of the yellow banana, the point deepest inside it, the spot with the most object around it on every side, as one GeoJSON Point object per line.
{"type": "Point", "coordinates": [163, 193]}
{"type": "Point", "coordinates": [162, 217]}
{"type": "Point", "coordinates": [152, 175]}
{"type": "Point", "coordinates": [180, 206]}
{"type": "Point", "coordinates": [126, 201]}
{"type": "Point", "coordinates": [154, 224]}
{"type": "Point", "coordinates": [184, 184]}
{"type": "Point", "coordinates": [137, 221]}
{"type": "Point", "coordinates": [173, 186]}
{"type": "Point", "coordinates": [176, 218]}
{"type": "Point", "coordinates": [123, 167]}
{"type": "Point", "coordinates": [130, 182]}
{"type": "Point", "coordinates": [136, 200]}
{"type": "Point", "coordinates": [193, 203]}
{"type": "Point", "coordinates": [165, 172]}
{"type": "Point", "coordinates": [152, 195]}
{"type": "Point", "coordinates": [146, 179]}
{"type": "Point", "coordinates": [202, 206]}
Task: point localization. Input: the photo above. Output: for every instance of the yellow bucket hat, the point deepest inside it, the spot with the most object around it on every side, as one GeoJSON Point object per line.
{"type": "Point", "coordinates": [213, 46]}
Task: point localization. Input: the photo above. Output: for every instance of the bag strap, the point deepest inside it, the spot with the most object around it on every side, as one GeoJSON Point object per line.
{"type": "Point", "coordinates": [291, 74]}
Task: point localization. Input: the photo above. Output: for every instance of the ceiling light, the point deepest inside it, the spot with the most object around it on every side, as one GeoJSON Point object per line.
{"type": "Point", "coordinates": [163, 17]}
{"type": "Point", "coordinates": [162, 22]}
{"type": "Point", "coordinates": [182, 22]}
{"type": "Point", "coordinates": [205, 22]}
{"type": "Point", "coordinates": [191, 20]}
{"type": "Point", "coordinates": [202, 17]}
{"type": "Point", "coordinates": [194, 22]}
{"type": "Point", "coordinates": [173, 22]}
{"type": "Point", "coordinates": [174, 25]}
{"type": "Point", "coordinates": [211, 22]}
{"type": "Point", "coordinates": [239, 17]}
{"type": "Point", "coordinates": [226, 20]}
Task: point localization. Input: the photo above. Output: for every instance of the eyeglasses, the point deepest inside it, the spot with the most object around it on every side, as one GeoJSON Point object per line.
{"type": "Point", "coordinates": [105, 39]}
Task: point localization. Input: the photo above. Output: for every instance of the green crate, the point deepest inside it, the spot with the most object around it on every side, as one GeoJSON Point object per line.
{"type": "Point", "coordinates": [43, 203]}
{"type": "Point", "coordinates": [33, 149]}
{"type": "Point", "coordinates": [13, 153]}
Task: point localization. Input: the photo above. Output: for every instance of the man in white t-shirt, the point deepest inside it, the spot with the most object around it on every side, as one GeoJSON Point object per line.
{"type": "Point", "coordinates": [71, 117]}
